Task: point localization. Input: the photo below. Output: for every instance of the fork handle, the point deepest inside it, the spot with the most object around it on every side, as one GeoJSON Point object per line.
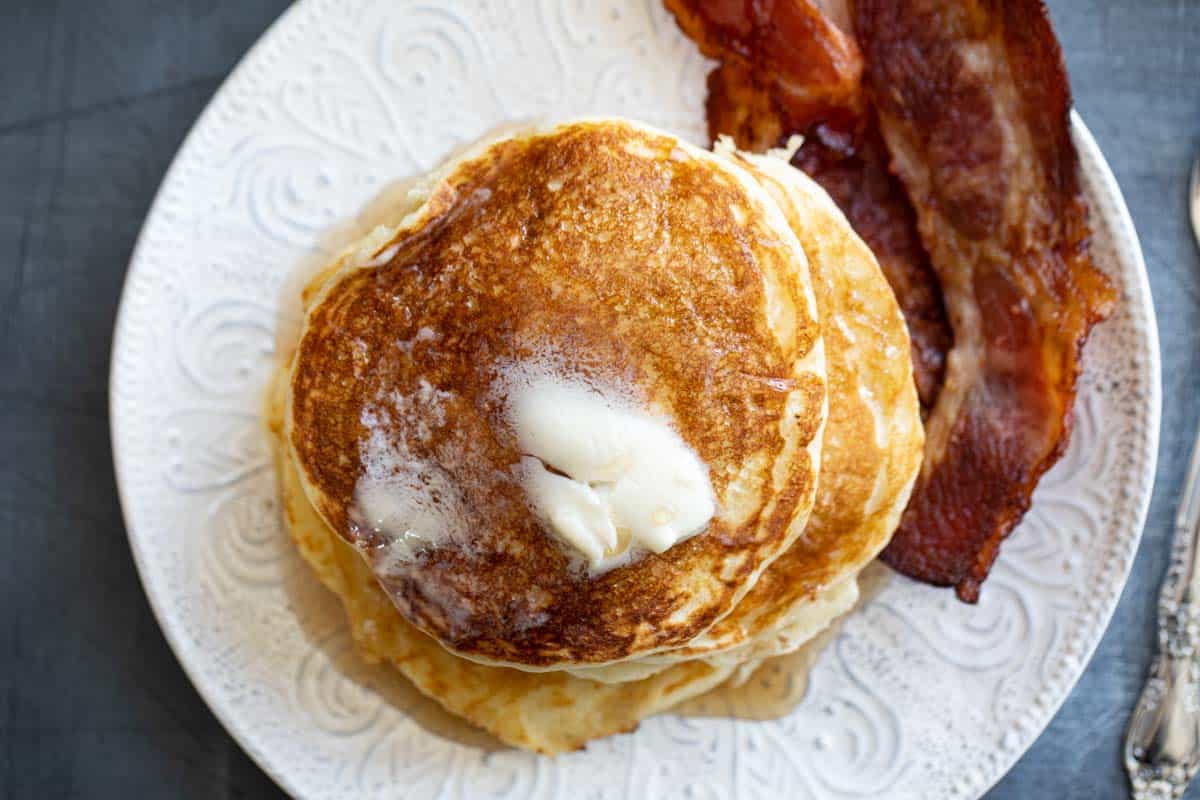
{"type": "Point", "coordinates": [1162, 744]}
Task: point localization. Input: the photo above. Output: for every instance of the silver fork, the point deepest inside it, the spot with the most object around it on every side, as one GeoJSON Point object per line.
{"type": "Point", "coordinates": [1162, 745]}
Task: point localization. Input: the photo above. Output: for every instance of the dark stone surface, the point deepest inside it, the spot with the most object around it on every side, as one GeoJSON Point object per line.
{"type": "Point", "coordinates": [96, 95]}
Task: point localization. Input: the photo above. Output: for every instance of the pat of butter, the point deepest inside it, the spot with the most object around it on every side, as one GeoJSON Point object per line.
{"type": "Point", "coordinates": [603, 474]}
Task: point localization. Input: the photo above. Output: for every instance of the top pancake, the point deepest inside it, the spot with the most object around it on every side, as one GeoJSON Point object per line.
{"type": "Point", "coordinates": [623, 256]}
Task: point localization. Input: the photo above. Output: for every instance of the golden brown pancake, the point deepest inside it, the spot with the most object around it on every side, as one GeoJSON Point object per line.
{"type": "Point", "coordinates": [630, 257]}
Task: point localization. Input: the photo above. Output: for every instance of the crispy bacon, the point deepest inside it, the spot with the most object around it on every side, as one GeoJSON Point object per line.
{"type": "Point", "coordinates": [806, 63]}
{"type": "Point", "coordinates": [973, 103]}
{"type": "Point", "coordinates": [972, 100]}
{"type": "Point", "coordinates": [760, 99]}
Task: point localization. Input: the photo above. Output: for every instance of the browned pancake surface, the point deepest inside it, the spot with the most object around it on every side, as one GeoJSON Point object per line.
{"type": "Point", "coordinates": [630, 261]}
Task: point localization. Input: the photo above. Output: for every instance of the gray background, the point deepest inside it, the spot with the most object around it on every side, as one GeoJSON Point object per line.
{"type": "Point", "coordinates": [95, 97]}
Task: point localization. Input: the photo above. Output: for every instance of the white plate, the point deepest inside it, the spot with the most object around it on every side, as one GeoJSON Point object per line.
{"type": "Point", "coordinates": [919, 695]}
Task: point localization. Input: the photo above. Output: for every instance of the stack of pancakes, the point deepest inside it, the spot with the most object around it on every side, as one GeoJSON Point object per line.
{"type": "Point", "coordinates": [728, 291]}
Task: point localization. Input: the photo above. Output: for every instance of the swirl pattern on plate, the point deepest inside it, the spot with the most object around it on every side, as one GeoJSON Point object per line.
{"type": "Point", "coordinates": [340, 98]}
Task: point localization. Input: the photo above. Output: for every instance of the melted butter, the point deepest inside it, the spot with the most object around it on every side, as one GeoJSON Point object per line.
{"type": "Point", "coordinates": [603, 473]}
{"type": "Point", "coordinates": [408, 503]}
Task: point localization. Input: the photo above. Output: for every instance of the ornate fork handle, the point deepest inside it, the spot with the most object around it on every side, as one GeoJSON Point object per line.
{"type": "Point", "coordinates": [1162, 745]}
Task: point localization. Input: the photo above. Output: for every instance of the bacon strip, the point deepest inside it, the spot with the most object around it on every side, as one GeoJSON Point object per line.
{"type": "Point", "coordinates": [973, 103]}
{"type": "Point", "coordinates": [808, 64]}
{"type": "Point", "coordinates": [790, 66]}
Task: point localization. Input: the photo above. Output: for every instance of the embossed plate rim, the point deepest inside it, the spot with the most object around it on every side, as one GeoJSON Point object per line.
{"type": "Point", "coordinates": [139, 282]}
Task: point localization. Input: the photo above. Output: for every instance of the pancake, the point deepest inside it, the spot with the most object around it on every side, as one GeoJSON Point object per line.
{"type": "Point", "coordinates": [797, 596]}
{"type": "Point", "coordinates": [617, 253]}
{"type": "Point", "coordinates": [873, 442]}
{"type": "Point", "coordinates": [556, 712]}
{"type": "Point", "coordinates": [870, 450]}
